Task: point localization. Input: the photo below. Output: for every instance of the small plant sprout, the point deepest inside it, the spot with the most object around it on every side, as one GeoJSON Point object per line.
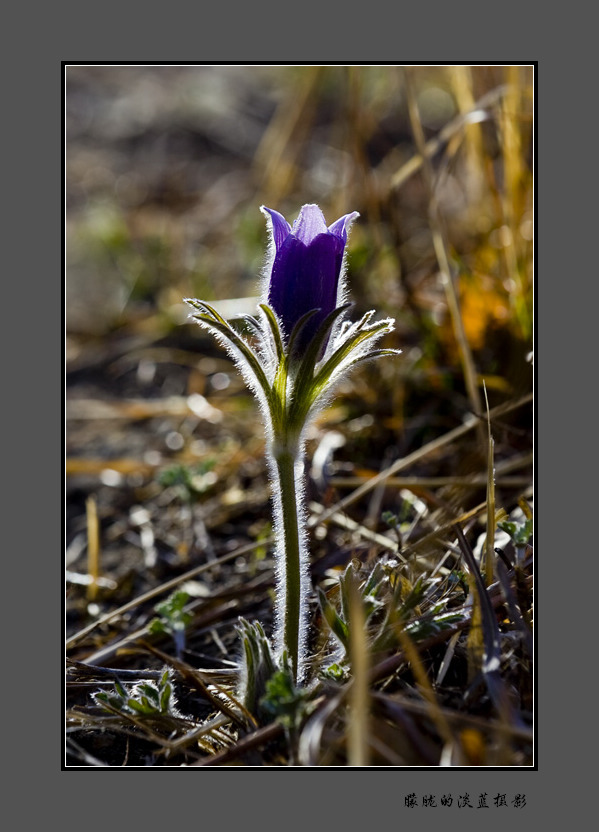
{"type": "Point", "coordinates": [291, 355]}
{"type": "Point", "coordinates": [520, 530]}
{"type": "Point", "coordinates": [143, 700]}
{"type": "Point", "coordinates": [173, 619]}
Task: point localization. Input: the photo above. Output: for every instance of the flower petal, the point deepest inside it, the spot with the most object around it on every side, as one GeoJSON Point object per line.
{"type": "Point", "coordinates": [280, 226]}
{"type": "Point", "coordinates": [309, 224]}
{"type": "Point", "coordinates": [305, 269]}
{"type": "Point", "coordinates": [305, 278]}
{"type": "Point", "coordinates": [341, 226]}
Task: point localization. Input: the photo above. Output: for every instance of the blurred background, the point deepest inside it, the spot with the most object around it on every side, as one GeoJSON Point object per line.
{"type": "Point", "coordinates": [166, 168]}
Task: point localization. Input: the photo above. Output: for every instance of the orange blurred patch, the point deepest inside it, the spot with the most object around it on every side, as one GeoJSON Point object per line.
{"type": "Point", "coordinates": [473, 746]}
{"type": "Point", "coordinates": [482, 307]}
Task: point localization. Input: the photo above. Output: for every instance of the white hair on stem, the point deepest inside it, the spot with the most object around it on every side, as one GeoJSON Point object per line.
{"type": "Point", "coordinates": [281, 538]}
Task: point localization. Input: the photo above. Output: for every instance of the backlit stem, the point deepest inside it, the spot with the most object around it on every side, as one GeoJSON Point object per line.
{"type": "Point", "coordinates": [288, 493]}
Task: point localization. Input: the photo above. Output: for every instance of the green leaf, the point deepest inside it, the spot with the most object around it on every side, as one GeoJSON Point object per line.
{"type": "Point", "coordinates": [374, 580]}
{"type": "Point", "coordinates": [391, 519]}
{"type": "Point", "coordinates": [519, 532]}
{"type": "Point", "coordinates": [345, 581]}
{"type": "Point", "coordinates": [283, 700]}
{"type": "Point", "coordinates": [426, 627]}
{"type": "Point", "coordinates": [414, 597]}
{"type": "Point", "coordinates": [335, 672]}
{"type": "Point", "coordinates": [258, 666]}
{"type": "Point", "coordinates": [149, 691]}
{"type": "Point", "coordinates": [165, 698]}
{"type": "Point", "coordinates": [136, 706]}
{"type": "Point", "coordinates": [120, 689]}
{"type": "Point", "coordinates": [157, 626]}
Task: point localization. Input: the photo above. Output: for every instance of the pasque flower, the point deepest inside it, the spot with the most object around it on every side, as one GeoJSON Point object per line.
{"type": "Point", "coordinates": [292, 354]}
{"type": "Point", "coordinates": [305, 271]}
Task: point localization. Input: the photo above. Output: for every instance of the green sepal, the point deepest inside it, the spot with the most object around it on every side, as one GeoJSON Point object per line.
{"type": "Point", "coordinates": [275, 329]}
{"type": "Point", "coordinates": [243, 324]}
{"type": "Point", "coordinates": [326, 371]}
{"type": "Point", "coordinates": [374, 354]}
{"type": "Point", "coordinates": [209, 316]}
{"type": "Point", "coordinates": [279, 387]}
{"type": "Point", "coordinates": [304, 384]}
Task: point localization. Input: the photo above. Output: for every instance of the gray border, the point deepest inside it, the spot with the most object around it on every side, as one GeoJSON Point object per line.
{"type": "Point", "coordinates": [102, 34]}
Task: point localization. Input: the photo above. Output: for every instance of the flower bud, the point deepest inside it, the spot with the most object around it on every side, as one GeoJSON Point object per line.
{"type": "Point", "coordinates": [306, 268]}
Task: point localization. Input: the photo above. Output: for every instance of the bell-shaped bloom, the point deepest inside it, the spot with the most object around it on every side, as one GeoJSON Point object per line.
{"type": "Point", "coordinates": [305, 271]}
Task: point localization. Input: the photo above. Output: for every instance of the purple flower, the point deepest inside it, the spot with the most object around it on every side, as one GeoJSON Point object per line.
{"type": "Point", "coordinates": [307, 267]}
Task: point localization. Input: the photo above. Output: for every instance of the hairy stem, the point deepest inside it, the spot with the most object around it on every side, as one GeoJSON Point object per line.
{"type": "Point", "coordinates": [292, 567]}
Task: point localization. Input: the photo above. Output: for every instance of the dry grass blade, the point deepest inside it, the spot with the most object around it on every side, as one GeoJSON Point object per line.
{"type": "Point", "coordinates": [456, 718]}
{"type": "Point", "coordinates": [492, 647]}
{"type": "Point", "coordinates": [93, 548]}
{"type": "Point", "coordinates": [311, 736]}
{"type": "Point", "coordinates": [420, 484]}
{"type": "Point", "coordinates": [251, 742]}
{"type": "Point", "coordinates": [461, 78]}
{"type": "Point", "coordinates": [275, 157]}
{"type": "Point", "coordinates": [447, 278]}
{"type": "Point", "coordinates": [413, 657]}
{"type": "Point", "coordinates": [80, 670]}
{"type": "Point", "coordinates": [345, 522]}
{"type": "Point", "coordinates": [359, 696]}
{"type": "Point", "coordinates": [514, 607]}
{"type": "Point", "coordinates": [399, 711]}
{"type": "Point", "coordinates": [479, 111]}
{"type": "Point", "coordinates": [430, 448]}
{"type": "Point", "coordinates": [491, 522]}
